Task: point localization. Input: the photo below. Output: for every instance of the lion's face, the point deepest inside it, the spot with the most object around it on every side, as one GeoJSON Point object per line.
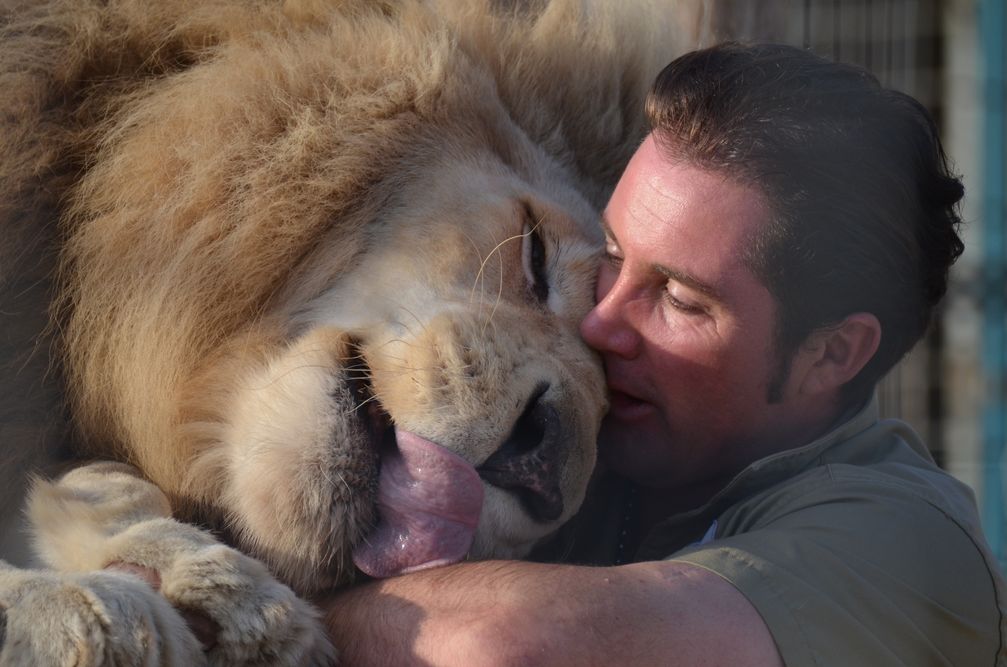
{"type": "Point", "coordinates": [323, 274]}
{"type": "Point", "coordinates": [452, 341]}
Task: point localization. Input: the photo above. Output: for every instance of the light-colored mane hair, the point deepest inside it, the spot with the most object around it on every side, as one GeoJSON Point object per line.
{"type": "Point", "coordinates": [78, 80]}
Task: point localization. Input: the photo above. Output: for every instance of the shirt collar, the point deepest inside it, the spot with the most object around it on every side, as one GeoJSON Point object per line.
{"type": "Point", "coordinates": [779, 466]}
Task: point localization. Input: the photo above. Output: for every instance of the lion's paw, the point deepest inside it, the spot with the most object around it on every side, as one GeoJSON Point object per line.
{"type": "Point", "coordinates": [104, 517]}
{"type": "Point", "coordinates": [100, 618]}
{"type": "Point", "coordinates": [254, 619]}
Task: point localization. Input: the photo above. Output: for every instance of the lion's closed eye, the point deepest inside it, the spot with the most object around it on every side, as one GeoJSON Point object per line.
{"type": "Point", "coordinates": [533, 258]}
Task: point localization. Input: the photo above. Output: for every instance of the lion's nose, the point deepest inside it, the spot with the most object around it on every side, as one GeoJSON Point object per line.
{"type": "Point", "coordinates": [526, 462]}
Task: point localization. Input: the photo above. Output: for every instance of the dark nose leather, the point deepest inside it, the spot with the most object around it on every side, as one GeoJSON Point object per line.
{"type": "Point", "coordinates": [526, 463]}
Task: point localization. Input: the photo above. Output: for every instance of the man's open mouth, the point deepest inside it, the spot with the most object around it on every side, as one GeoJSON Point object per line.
{"type": "Point", "coordinates": [626, 406]}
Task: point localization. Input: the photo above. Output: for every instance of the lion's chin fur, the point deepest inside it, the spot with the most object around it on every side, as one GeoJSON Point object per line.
{"type": "Point", "coordinates": [263, 206]}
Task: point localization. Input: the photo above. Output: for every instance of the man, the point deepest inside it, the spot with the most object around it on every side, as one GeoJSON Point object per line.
{"type": "Point", "coordinates": [774, 247]}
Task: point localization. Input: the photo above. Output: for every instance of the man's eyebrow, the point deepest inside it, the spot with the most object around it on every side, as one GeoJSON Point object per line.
{"type": "Point", "coordinates": [689, 281]}
{"type": "Point", "coordinates": [672, 274]}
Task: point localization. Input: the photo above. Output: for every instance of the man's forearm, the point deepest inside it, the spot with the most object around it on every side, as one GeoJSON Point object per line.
{"type": "Point", "coordinates": [448, 616]}
{"type": "Point", "coordinates": [514, 613]}
{"type": "Point", "coordinates": [486, 614]}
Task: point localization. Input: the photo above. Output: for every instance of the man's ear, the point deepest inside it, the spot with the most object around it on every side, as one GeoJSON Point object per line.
{"type": "Point", "coordinates": [831, 357]}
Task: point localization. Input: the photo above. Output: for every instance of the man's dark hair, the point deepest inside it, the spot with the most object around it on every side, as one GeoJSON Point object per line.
{"type": "Point", "coordinates": [864, 209]}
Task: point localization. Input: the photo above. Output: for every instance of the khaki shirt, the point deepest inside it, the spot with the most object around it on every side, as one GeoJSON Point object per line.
{"type": "Point", "coordinates": [856, 550]}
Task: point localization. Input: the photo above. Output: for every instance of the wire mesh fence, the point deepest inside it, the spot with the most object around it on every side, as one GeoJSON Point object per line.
{"type": "Point", "coordinates": [951, 388]}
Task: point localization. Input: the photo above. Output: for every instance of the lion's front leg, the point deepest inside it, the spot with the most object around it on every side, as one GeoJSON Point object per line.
{"type": "Point", "coordinates": [101, 522]}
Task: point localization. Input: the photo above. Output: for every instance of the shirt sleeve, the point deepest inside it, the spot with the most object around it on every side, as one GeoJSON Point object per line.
{"type": "Point", "coordinates": [851, 571]}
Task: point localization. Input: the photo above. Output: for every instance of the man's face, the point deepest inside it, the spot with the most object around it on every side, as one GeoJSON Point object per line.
{"type": "Point", "coordinates": [684, 326]}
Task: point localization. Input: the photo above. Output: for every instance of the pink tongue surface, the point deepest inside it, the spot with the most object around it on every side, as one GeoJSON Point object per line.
{"type": "Point", "coordinates": [429, 501]}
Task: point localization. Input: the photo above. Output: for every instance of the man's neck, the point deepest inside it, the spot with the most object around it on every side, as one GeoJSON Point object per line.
{"type": "Point", "coordinates": [654, 505]}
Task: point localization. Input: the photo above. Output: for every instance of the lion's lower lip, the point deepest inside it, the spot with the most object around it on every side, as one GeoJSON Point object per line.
{"type": "Point", "coordinates": [376, 422]}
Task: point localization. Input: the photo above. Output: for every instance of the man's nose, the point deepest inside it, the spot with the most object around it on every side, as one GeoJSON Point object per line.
{"type": "Point", "coordinates": [606, 328]}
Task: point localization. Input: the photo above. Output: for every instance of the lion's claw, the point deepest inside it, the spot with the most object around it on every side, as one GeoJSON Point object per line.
{"type": "Point", "coordinates": [258, 621]}
{"type": "Point", "coordinates": [3, 628]}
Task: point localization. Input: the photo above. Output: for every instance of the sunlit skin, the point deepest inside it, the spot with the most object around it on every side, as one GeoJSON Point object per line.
{"type": "Point", "coordinates": [685, 329]}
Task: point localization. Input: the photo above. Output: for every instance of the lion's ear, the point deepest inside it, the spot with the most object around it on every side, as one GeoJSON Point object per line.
{"type": "Point", "coordinates": [574, 74]}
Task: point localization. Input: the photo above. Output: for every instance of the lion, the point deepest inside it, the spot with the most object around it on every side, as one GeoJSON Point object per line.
{"type": "Point", "coordinates": [317, 270]}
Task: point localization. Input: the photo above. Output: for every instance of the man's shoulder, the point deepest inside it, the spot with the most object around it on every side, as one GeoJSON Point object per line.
{"type": "Point", "coordinates": [847, 562]}
{"type": "Point", "coordinates": [886, 464]}
{"type": "Point", "coordinates": [883, 481]}
{"type": "Point", "coordinates": [861, 500]}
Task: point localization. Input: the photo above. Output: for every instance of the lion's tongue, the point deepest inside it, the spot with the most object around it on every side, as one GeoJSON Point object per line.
{"type": "Point", "coordinates": [429, 501]}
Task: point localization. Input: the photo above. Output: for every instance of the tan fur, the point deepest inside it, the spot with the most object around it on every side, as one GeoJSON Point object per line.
{"type": "Point", "coordinates": [97, 618]}
{"type": "Point", "coordinates": [102, 517]}
{"type": "Point", "coordinates": [252, 195]}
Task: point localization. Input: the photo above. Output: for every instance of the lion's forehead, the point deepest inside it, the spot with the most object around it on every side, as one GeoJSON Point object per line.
{"type": "Point", "coordinates": [451, 244]}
